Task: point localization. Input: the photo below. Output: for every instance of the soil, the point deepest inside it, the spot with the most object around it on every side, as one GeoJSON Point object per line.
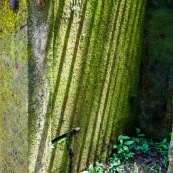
{"type": "Point", "coordinates": [147, 163]}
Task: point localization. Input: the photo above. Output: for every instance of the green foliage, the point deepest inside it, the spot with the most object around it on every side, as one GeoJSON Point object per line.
{"type": "Point", "coordinates": [141, 144]}
{"type": "Point", "coordinates": [125, 150]}
{"type": "Point", "coordinates": [162, 149]}
{"type": "Point", "coordinates": [97, 169]}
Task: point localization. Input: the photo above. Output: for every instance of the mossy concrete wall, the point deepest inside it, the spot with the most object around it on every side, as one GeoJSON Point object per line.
{"type": "Point", "coordinates": [13, 89]}
{"type": "Point", "coordinates": [71, 64]}
{"type": "Point", "coordinates": [157, 73]}
{"type": "Point", "coordinates": [87, 78]}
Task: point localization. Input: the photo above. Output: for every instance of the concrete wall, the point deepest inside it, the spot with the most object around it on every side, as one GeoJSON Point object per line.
{"type": "Point", "coordinates": [157, 74]}
{"type": "Point", "coordinates": [78, 67]}
{"type": "Point", "coordinates": [13, 89]}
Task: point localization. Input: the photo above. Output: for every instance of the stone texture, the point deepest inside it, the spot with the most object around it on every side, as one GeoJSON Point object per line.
{"type": "Point", "coordinates": [71, 64]}
{"type": "Point", "coordinates": [156, 85]}
{"type": "Point", "coordinates": [13, 89]}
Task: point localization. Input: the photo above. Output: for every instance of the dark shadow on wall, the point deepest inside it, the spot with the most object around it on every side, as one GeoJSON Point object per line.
{"type": "Point", "coordinates": [156, 85]}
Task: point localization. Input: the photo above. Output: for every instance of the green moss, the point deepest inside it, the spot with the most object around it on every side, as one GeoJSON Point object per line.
{"type": "Point", "coordinates": [13, 84]}
{"type": "Point", "coordinates": [90, 66]}
{"type": "Point", "coordinates": [101, 73]}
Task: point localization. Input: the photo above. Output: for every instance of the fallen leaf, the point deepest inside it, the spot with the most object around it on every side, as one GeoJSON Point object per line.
{"type": "Point", "coordinates": [135, 167]}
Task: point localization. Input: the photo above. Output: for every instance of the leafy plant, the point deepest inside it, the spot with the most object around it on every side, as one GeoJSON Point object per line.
{"type": "Point", "coordinates": [91, 168]}
{"type": "Point", "coordinates": [162, 149]}
{"type": "Point", "coordinates": [126, 148]}
{"type": "Point", "coordinates": [123, 150]}
{"type": "Point", "coordinates": [140, 142]}
{"type": "Point", "coordinates": [97, 169]}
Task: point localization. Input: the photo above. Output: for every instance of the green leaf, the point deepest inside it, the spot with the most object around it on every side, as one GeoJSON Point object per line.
{"type": "Point", "coordinates": [125, 148]}
{"type": "Point", "coordinates": [115, 146]}
{"type": "Point", "coordinates": [141, 135]}
{"type": "Point", "coordinates": [137, 130]}
{"type": "Point", "coordinates": [128, 142]}
{"type": "Point", "coordinates": [136, 140]}
{"type": "Point", "coordinates": [165, 146]}
{"type": "Point", "coordinates": [120, 168]}
{"type": "Point", "coordinates": [91, 168]}
{"type": "Point", "coordinates": [164, 140]}
{"type": "Point", "coordinates": [121, 141]}
{"type": "Point", "coordinates": [121, 137]}
{"type": "Point", "coordinates": [125, 137]}
{"type": "Point", "coordinates": [116, 163]}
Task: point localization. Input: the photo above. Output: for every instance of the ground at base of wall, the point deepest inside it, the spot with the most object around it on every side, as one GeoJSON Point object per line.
{"type": "Point", "coordinates": [137, 154]}
{"type": "Point", "coordinates": [140, 164]}
{"type": "Point", "coordinates": [147, 164]}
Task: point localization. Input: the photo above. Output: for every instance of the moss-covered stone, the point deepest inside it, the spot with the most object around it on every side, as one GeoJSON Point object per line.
{"type": "Point", "coordinates": [95, 55]}
{"type": "Point", "coordinates": [70, 64]}
{"type": "Point", "coordinates": [13, 88]}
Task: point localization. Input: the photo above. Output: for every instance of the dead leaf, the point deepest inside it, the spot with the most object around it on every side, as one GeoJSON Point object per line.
{"type": "Point", "coordinates": [135, 167]}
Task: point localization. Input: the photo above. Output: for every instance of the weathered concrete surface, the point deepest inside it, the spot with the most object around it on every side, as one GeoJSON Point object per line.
{"type": "Point", "coordinates": [157, 72]}
{"type": "Point", "coordinates": [79, 68]}
{"type": "Point", "coordinates": [40, 20]}
{"type": "Point", "coordinates": [13, 89]}
{"type": "Point", "coordinates": [97, 47]}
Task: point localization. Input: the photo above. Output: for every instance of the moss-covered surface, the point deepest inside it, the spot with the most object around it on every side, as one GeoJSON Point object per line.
{"type": "Point", "coordinates": [157, 73]}
{"type": "Point", "coordinates": [40, 20]}
{"type": "Point", "coordinates": [78, 68]}
{"type": "Point", "coordinates": [96, 58]}
{"type": "Point", "coordinates": [13, 89]}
